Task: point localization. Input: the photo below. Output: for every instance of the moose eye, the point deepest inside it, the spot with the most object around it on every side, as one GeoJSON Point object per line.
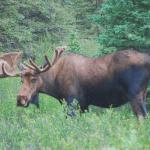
{"type": "Point", "coordinates": [33, 80]}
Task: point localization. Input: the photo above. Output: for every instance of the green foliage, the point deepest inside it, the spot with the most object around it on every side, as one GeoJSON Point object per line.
{"type": "Point", "coordinates": [74, 45]}
{"type": "Point", "coordinates": [105, 51]}
{"type": "Point", "coordinates": [82, 11]}
{"type": "Point", "coordinates": [124, 24]}
{"type": "Point", "coordinates": [25, 22]}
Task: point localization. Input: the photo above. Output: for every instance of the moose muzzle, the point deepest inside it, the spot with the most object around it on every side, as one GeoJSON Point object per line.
{"type": "Point", "coordinates": [22, 101]}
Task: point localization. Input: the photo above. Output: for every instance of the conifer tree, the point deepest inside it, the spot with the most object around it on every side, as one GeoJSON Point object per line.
{"type": "Point", "coordinates": [125, 24]}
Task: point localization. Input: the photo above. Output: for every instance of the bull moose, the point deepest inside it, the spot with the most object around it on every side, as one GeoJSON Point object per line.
{"type": "Point", "coordinates": [108, 81]}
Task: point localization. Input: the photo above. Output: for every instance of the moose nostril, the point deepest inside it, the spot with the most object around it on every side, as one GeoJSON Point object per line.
{"type": "Point", "coordinates": [21, 100]}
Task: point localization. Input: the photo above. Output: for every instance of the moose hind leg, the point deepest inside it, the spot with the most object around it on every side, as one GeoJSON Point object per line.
{"type": "Point", "coordinates": [84, 108]}
{"type": "Point", "coordinates": [138, 106]}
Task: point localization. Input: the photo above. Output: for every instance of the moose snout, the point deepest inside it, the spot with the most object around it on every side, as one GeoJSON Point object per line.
{"type": "Point", "coordinates": [21, 100]}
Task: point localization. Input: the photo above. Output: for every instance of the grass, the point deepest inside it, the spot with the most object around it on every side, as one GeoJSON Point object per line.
{"type": "Point", "coordinates": [48, 128]}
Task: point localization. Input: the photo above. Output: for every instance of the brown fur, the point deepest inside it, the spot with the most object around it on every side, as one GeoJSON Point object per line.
{"type": "Point", "coordinates": [108, 81]}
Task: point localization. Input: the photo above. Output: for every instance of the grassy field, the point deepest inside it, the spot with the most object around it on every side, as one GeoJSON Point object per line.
{"type": "Point", "coordinates": [48, 128]}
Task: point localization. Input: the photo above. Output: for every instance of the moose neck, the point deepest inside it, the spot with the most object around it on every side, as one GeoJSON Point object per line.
{"type": "Point", "coordinates": [49, 86]}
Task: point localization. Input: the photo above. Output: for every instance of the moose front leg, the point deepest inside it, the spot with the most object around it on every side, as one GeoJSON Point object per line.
{"type": "Point", "coordinates": [71, 106]}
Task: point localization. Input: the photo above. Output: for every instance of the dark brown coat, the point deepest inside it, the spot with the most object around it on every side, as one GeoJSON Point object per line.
{"type": "Point", "coordinates": [108, 81]}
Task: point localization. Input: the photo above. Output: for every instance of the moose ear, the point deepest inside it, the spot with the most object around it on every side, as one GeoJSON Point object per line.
{"type": "Point", "coordinates": [21, 67]}
{"type": "Point", "coordinates": [12, 58]}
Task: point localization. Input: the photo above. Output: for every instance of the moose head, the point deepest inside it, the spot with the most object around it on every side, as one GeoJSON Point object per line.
{"type": "Point", "coordinates": [32, 79]}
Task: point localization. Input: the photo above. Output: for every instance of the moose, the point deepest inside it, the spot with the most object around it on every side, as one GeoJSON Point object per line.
{"type": "Point", "coordinates": [108, 81]}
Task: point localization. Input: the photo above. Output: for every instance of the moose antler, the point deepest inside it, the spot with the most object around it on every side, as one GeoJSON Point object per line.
{"type": "Point", "coordinates": [7, 74]}
{"type": "Point", "coordinates": [58, 52]}
{"type": "Point", "coordinates": [37, 69]}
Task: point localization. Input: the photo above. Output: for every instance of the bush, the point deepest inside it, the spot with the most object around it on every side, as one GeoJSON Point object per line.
{"type": "Point", "coordinates": [74, 45]}
{"type": "Point", "coordinates": [23, 23]}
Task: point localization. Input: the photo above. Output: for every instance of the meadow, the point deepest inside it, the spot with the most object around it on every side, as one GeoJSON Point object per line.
{"type": "Point", "coordinates": [48, 128]}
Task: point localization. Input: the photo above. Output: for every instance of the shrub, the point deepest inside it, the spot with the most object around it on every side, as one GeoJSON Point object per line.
{"type": "Point", "coordinates": [124, 24]}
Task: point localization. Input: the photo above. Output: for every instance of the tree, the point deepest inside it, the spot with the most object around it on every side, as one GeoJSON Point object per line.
{"type": "Point", "coordinates": [24, 22]}
{"type": "Point", "coordinates": [124, 24]}
{"type": "Point", "coordinates": [83, 10]}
